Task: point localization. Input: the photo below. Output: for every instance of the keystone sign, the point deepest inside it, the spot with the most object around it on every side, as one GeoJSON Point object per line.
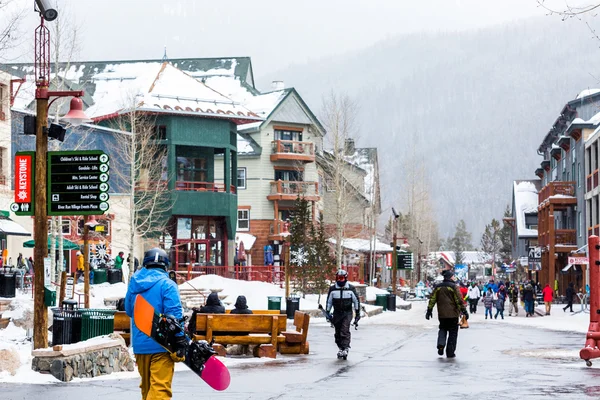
{"type": "Point", "coordinates": [78, 182]}
{"type": "Point", "coordinates": [24, 178]}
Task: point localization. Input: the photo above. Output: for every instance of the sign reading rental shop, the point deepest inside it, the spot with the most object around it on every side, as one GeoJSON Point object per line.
{"type": "Point", "coordinates": [578, 261]}
{"type": "Point", "coordinates": [24, 178]}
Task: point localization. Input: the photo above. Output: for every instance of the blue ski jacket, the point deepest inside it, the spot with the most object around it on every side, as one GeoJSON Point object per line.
{"type": "Point", "coordinates": [160, 291]}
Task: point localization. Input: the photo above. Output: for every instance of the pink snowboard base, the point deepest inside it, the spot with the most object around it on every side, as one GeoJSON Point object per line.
{"type": "Point", "coordinates": [216, 374]}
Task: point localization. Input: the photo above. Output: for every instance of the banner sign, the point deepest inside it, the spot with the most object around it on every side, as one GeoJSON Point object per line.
{"type": "Point", "coordinates": [578, 260]}
{"type": "Point", "coordinates": [24, 187]}
{"type": "Point", "coordinates": [535, 258]}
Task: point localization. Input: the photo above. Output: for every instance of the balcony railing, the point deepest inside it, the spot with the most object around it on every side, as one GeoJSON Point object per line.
{"type": "Point", "coordinates": [290, 190]}
{"type": "Point", "coordinates": [595, 179]}
{"type": "Point", "coordinates": [202, 186]}
{"type": "Point", "coordinates": [556, 189]}
{"type": "Point", "coordinates": [292, 150]}
{"type": "Point", "coordinates": [566, 237]}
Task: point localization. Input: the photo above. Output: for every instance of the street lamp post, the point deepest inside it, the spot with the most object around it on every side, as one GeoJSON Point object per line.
{"type": "Point", "coordinates": [75, 116]}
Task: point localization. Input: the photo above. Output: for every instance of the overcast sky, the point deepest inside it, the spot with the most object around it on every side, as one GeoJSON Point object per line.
{"type": "Point", "coordinates": [275, 33]}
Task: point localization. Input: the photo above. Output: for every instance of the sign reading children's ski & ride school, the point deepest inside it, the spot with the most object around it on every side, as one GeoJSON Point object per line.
{"type": "Point", "coordinates": [24, 183]}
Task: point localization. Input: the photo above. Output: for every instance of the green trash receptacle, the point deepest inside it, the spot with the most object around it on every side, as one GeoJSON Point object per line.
{"type": "Point", "coordinates": [100, 276]}
{"type": "Point", "coordinates": [96, 322]}
{"type": "Point", "coordinates": [274, 303]}
{"type": "Point", "coordinates": [381, 300]}
{"type": "Point", "coordinates": [49, 297]}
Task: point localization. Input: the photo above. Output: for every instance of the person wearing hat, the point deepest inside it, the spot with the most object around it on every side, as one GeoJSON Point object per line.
{"type": "Point", "coordinates": [80, 265]}
{"type": "Point", "coordinates": [449, 306]}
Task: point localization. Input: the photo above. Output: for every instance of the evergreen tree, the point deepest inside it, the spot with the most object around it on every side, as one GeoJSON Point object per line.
{"type": "Point", "coordinates": [461, 242]}
{"type": "Point", "coordinates": [506, 237]}
{"type": "Point", "coordinates": [491, 241]}
{"type": "Point", "coordinates": [322, 262]}
{"type": "Point", "coordinates": [300, 243]}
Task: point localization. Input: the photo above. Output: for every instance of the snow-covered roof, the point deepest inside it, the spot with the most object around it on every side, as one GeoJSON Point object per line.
{"type": "Point", "coordinates": [366, 160]}
{"type": "Point", "coordinates": [363, 245]}
{"type": "Point", "coordinates": [526, 202]}
{"type": "Point", "coordinates": [587, 92]}
{"type": "Point", "coordinates": [245, 238]}
{"type": "Point", "coordinates": [469, 257]}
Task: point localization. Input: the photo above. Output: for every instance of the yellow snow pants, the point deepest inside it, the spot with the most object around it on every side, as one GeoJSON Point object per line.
{"type": "Point", "coordinates": [156, 371]}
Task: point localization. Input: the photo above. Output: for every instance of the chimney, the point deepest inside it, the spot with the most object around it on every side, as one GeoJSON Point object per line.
{"type": "Point", "coordinates": [349, 148]}
{"type": "Point", "coordinates": [277, 85]}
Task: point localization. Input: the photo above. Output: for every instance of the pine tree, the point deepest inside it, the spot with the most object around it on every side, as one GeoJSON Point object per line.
{"type": "Point", "coordinates": [506, 237]}
{"type": "Point", "coordinates": [491, 242]}
{"type": "Point", "coordinates": [461, 242]}
{"type": "Point", "coordinates": [323, 262]}
{"type": "Point", "coordinates": [300, 243]}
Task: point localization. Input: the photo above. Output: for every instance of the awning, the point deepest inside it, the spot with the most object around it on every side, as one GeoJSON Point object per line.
{"type": "Point", "coordinates": [67, 244]}
{"type": "Point", "coordinates": [10, 227]}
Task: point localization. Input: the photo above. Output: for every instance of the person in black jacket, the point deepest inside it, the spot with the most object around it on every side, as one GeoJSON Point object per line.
{"type": "Point", "coordinates": [569, 297]}
{"type": "Point", "coordinates": [241, 306]}
{"type": "Point", "coordinates": [343, 299]}
{"type": "Point", "coordinates": [213, 305]}
{"type": "Point", "coordinates": [528, 299]}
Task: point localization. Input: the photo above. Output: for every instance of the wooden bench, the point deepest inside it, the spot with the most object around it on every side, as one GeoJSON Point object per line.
{"type": "Point", "coordinates": [123, 326]}
{"type": "Point", "coordinates": [263, 330]}
{"type": "Point", "coordinates": [295, 341]}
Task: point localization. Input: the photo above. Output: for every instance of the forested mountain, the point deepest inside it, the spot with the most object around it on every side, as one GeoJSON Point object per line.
{"type": "Point", "coordinates": [474, 106]}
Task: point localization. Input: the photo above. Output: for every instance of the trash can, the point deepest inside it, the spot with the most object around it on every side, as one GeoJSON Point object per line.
{"type": "Point", "coordinates": [100, 276]}
{"type": "Point", "coordinates": [391, 302]}
{"type": "Point", "coordinates": [292, 304]}
{"type": "Point", "coordinates": [66, 326]}
{"type": "Point", "coordinates": [381, 300]}
{"type": "Point", "coordinates": [115, 275]}
{"type": "Point", "coordinates": [274, 303]}
{"type": "Point", "coordinates": [95, 322]}
{"type": "Point", "coordinates": [9, 284]}
{"type": "Point", "coordinates": [49, 297]}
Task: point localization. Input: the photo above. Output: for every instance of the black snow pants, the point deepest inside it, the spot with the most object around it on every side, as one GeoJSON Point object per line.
{"type": "Point", "coordinates": [569, 305]}
{"type": "Point", "coordinates": [341, 322]}
{"type": "Point", "coordinates": [473, 306]}
{"type": "Point", "coordinates": [449, 328]}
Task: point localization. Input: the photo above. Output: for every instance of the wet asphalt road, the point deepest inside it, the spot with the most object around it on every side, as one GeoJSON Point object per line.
{"type": "Point", "coordinates": [386, 362]}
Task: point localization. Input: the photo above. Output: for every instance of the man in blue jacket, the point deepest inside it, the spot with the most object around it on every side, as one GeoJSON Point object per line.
{"type": "Point", "coordinates": [155, 364]}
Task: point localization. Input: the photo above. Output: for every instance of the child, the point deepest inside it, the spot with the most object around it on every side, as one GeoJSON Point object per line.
{"type": "Point", "coordinates": [488, 301]}
{"type": "Point", "coordinates": [500, 302]}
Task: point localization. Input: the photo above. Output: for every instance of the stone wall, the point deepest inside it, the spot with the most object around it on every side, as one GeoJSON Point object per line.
{"type": "Point", "coordinates": [84, 362]}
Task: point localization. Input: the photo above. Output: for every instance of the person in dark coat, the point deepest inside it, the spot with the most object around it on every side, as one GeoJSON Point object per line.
{"type": "Point", "coordinates": [528, 299]}
{"type": "Point", "coordinates": [213, 305]}
{"type": "Point", "coordinates": [241, 306]}
{"type": "Point", "coordinates": [450, 306]}
{"type": "Point", "coordinates": [569, 297]}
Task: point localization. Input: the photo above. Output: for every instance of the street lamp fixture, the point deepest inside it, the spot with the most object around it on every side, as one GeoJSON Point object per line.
{"type": "Point", "coordinates": [76, 116]}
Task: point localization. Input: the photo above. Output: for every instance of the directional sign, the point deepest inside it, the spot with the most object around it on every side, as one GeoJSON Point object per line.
{"type": "Point", "coordinates": [405, 260]}
{"type": "Point", "coordinates": [78, 182]}
{"type": "Point", "coordinates": [24, 186]}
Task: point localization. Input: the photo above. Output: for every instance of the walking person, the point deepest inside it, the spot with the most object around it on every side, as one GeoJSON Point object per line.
{"type": "Point", "coordinates": [449, 306]}
{"type": "Point", "coordinates": [501, 299]}
{"type": "Point", "coordinates": [569, 297]}
{"type": "Point", "coordinates": [488, 301]}
{"type": "Point", "coordinates": [528, 299]}
{"type": "Point", "coordinates": [155, 365]}
{"type": "Point", "coordinates": [342, 297]}
{"type": "Point", "coordinates": [548, 294]}
{"type": "Point", "coordinates": [513, 297]}
{"type": "Point", "coordinates": [473, 294]}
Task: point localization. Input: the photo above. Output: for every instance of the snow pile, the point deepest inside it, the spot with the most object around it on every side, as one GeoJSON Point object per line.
{"type": "Point", "coordinates": [104, 290]}
{"type": "Point", "coordinates": [372, 293]}
{"type": "Point", "coordinates": [526, 202]}
{"type": "Point", "coordinates": [364, 245]}
{"type": "Point", "coordinates": [587, 92]}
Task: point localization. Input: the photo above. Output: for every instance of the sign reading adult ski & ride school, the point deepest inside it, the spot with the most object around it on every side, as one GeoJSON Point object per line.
{"type": "Point", "coordinates": [24, 183]}
{"type": "Point", "coordinates": [78, 182]}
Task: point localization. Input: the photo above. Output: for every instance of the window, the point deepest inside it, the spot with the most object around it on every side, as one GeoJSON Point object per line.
{"type": "Point", "coordinates": [329, 184]}
{"type": "Point", "coordinates": [579, 223]}
{"type": "Point", "coordinates": [3, 101]}
{"type": "Point", "coordinates": [288, 175]}
{"type": "Point", "coordinates": [241, 178]}
{"type": "Point", "coordinates": [191, 169]}
{"type": "Point", "coordinates": [281, 134]}
{"type": "Point", "coordinates": [66, 227]}
{"type": "Point", "coordinates": [243, 220]}
{"type": "Point", "coordinates": [578, 177]}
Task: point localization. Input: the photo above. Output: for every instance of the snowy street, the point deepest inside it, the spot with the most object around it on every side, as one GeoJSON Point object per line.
{"type": "Point", "coordinates": [391, 354]}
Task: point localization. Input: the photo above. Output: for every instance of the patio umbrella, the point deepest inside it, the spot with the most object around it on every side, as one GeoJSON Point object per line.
{"type": "Point", "coordinates": [67, 244]}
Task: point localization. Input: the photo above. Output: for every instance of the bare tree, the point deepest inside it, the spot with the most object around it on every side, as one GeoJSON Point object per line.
{"type": "Point", "coordinates": [145, 181]}
{"type": "Point", "coordinates": [10, 16]}
{"type": "Point", "coordinates": [339, 119]}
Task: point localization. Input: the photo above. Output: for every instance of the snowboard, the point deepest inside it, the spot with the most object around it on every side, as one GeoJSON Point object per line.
{"type": "Point", "coordinates": [200, 354]}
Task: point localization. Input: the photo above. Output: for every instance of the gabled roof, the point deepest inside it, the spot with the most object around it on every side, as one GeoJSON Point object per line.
{"type": "Point", "coordinates": [246, 146]}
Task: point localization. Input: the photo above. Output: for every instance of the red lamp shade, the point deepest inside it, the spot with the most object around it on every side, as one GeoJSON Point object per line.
{"type": "Point", "coordinates": [76, 116]}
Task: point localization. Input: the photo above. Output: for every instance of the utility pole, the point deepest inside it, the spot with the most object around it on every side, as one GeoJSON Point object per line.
{"type": "Point", "coordinates": [394, 251]}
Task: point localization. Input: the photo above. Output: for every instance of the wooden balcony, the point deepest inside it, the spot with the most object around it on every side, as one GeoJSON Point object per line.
{"type": "Point", "coordinates": [290, 190]}
{"type": "Point", "coordinates": [202, 186]}
{"type": "Point", "coordinates": [562, 193]}
{"type": "Point", "coordinates": [278, 229]}
{"type": "Point", "coordinates": [565, 240]}
{"type": "Point", "coordinates": [290, 150]}
{"type": "Point", "coordinates": [592, 181]}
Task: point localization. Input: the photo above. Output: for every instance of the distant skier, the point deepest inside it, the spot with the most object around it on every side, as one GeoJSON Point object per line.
{"type": "Point", "coordinates": [449, 306]}
{"type": "Point", "coordinates": [155, 364]}
{"type": "Point", "coordinates": [343, 298]}
{"type": "Point", "coordinates": [569, 297]}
